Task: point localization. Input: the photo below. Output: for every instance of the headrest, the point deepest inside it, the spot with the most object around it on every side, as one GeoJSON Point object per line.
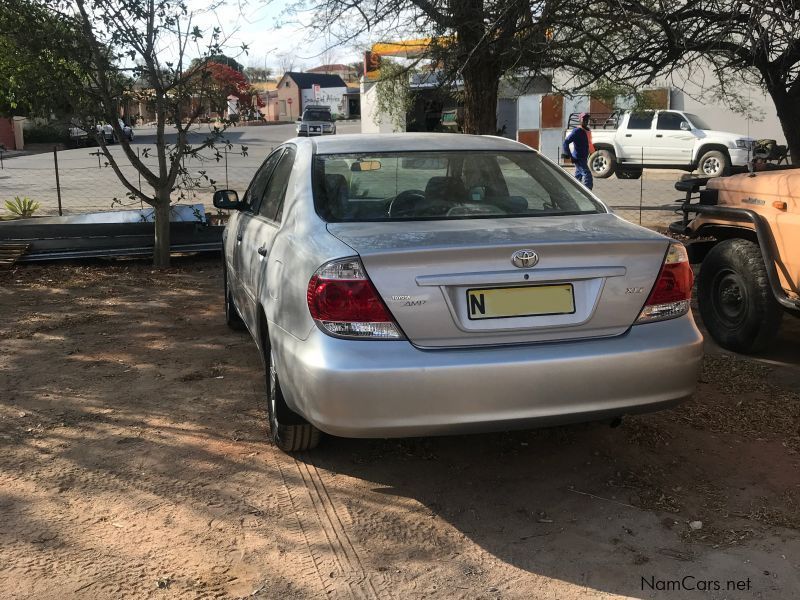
{"type": "Point", "coordinates": [445, 189]}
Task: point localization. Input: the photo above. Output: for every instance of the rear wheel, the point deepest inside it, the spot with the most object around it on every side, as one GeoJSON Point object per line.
{"type": "Point", "coordinates": [714, 163]}
{"type": "Point", "coordinates": [289, 431]}
{"type": "Point", "coordinates": [629, 173]}
{"type": "Point", "coordinates": [602, 163]}
{"type": "Point", "coordinates": [232, 317]}
{"type": "Point", "coordinates": [735, 297]}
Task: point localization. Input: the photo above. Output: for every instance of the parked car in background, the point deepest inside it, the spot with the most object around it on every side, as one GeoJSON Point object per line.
{"type": "Point", "coordinates": [425, 284]}
{"type": "Point", "coordinates": [627, 142]}
{"type": "Point", "coordinates": [79, 137]}
{"type": "Point", "coordinates": [316, 120]}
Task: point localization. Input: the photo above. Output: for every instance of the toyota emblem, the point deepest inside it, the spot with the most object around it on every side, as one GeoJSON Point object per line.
{"type": "Point", "coordinates": [524, 259]}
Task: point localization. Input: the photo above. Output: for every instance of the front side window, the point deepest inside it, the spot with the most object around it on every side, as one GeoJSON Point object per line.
{"type": "Point", "coordinates": [670, 121]}
{"type": "Point", "coordinates": [698, 122]}
{"type": "Point", "coordinates": [388, 186]}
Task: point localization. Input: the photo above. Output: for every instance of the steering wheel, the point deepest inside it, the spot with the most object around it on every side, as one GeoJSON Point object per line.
{"type": "Point", "coordinates": [405, 204]}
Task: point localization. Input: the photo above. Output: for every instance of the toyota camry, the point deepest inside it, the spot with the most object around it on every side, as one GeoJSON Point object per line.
{"type": "Point", "coordinates": [426, 284]}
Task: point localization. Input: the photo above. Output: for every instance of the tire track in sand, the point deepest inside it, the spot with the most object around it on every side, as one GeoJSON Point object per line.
{"type": "Point", "coordinates": [321, 526]}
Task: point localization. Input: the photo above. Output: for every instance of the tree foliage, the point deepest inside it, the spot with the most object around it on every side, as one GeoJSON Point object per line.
{"type": "Point", "coordinates": [106, 54]}
{"type": "Point", "coordinates": [734, 41]}
{"type": "Point", "coordinates": [258, 74]}
{"type": "Point", "coordinates": [393, 93]}
{"type": "Point", "coordinates": [224, 81]}
{"type": "Point", "coordinates": [42, 62]}
{"type": "Point", "coordinates": [474, 43]}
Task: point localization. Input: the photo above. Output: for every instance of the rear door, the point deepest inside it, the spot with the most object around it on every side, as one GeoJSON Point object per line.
{"type": "Point", "coordinates": [252, 200]}
{"type": "Point", "coordinates": [636, 140]}
{"type": "Point", "coordinates": [673, 140]}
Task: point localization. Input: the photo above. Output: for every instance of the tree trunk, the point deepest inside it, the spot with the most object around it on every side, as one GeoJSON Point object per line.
{"type": "Point", "coordinates": [479, 68]}
{"type": "Point", "coordinates": [788, 109]}
{"type": "Point", "coordinates": [481, 81]}
{"type": "Point", "coordinates": [161, 248]}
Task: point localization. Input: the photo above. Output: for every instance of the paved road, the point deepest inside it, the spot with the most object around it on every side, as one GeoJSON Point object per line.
{"type": "Point", "coordinates": [87, 185]}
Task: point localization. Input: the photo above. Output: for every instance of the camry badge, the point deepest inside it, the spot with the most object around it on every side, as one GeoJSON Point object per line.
{"type": "Point", "coordinates": [524, 259]}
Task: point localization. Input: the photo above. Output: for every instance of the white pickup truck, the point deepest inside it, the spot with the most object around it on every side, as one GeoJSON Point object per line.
{"type": "Point", "coordinates": [626, 142]}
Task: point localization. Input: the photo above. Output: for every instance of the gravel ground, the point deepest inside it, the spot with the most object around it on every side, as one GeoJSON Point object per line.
{"type": "Point", "coordinates": [134, 463]}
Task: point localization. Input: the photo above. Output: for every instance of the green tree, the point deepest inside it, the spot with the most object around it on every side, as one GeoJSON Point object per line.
{"type": "Point", "coordinates": [473, 43]}
{"type": "Point", "coordinates": [42, 62]}
{"type": "Point", "coordinates": [733, 41]}
{"type": "Point", "coordinates": [106, 52]}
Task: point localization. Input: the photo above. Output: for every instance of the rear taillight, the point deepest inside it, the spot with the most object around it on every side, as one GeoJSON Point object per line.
{"type": "Point", "coordinates": [673, 289]}
{"type": "Point", "coordinates": [343, 301]}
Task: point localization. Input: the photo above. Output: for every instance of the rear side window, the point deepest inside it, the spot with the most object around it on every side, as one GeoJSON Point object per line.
{"type": "Point", "coordinates": [640, 120]}
{"type": "Point", "coordinates": [255, 191]}
{"type": "Point", "coordinates": [439, 185]}
{"type": "Point", "coordinates": [276, 188]}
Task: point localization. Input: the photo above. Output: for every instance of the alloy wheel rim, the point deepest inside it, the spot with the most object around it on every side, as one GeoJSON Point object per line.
{"type": "Point", "coordinates": [711, 166]}
{"type": "Point", "coordinates": [599, 164]}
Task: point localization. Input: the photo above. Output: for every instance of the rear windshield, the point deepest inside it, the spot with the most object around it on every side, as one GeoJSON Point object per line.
{"type": "Point", "coordinates": [316, 115]}
{"type": "Point", "coordinates": [390, 186]}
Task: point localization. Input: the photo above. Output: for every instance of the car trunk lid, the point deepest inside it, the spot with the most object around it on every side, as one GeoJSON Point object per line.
{"type": "Point", "coordinates": [452, 283]}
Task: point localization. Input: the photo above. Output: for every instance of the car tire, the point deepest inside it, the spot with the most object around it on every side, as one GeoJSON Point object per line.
{"type": "Point", "coordinates": [232, 317]}
{"type": "Point", "coordinates": [714, 163]}
{"type": "Point", "coordinates": [735, 299]}
{"type": "Point", "coordinates": [631, 173]}
{"type": "Point", "coordinates": [288, 431]}
{"type": "Point", "coordinates": [602, 163]}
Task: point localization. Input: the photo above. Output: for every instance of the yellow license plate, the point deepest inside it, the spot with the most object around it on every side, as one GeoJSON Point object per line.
{"type": "Point", "coordinates": [528, 301]}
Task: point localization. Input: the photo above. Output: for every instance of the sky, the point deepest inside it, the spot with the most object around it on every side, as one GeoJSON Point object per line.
{"type": "Point", "coordinates": [270, 33]}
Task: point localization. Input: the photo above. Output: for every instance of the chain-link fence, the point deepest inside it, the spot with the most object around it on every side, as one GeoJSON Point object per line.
{"type": "Point", "coordinates": [79, 181]}
{"type": "Point", "coordinates": [85, 183]}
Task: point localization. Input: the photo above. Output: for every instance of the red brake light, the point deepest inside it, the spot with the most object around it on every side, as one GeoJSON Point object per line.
{"type": "Point", "coordinates": [343, 302]}
{"type": "Point", "coordinates": [672, 292]}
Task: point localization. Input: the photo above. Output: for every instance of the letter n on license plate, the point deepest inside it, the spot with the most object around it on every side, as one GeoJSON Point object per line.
{"type": "Point", "coordinates": [528, 301]}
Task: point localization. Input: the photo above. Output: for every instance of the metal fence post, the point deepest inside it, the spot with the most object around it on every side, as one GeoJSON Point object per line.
{"type": "Point", "coordinates": [641, 188]}
{"type": "Point", "coordinates": [58, 182]}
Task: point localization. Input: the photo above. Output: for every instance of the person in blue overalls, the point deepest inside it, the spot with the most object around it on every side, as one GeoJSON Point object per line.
{"type": "Point", "coordinates": [582, 148]}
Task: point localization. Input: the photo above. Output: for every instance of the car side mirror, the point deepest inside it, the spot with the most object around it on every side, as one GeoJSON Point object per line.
{"type": "Point", "coordinates": [685, 126]}
{"type": "Point", "coordinates": [227, 199]}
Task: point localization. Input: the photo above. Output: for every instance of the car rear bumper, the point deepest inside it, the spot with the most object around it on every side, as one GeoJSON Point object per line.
{"type": "Point", "coordinates": [357, 388]}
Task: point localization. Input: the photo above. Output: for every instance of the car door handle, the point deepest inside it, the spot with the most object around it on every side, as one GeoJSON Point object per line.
{"type": "Point", "coordinates": [239, 238]}
{"type": "Point", "coordinates": [262, 250]}
{"type": "Point", "coordinates": [659, 135]}
{"type": "Point", "coordinates": [628, 134]}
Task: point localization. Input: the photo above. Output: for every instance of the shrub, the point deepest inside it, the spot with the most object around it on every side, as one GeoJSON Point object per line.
{"type": "Point", "coordinates": [22, 207]}
{"type": "Point", "coordinates": [43, 134]}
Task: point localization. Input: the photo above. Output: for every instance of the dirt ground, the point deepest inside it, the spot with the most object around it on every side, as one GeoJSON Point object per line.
{"type": "Point", "coordinates": [134, 464]}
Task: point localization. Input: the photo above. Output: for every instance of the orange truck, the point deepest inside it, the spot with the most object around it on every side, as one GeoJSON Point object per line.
{"type": "Point", "coordinates": [744, 232]}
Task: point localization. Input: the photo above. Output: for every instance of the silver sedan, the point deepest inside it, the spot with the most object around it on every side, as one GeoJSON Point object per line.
{"type": "Point", "coordinates": [425, 284]}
